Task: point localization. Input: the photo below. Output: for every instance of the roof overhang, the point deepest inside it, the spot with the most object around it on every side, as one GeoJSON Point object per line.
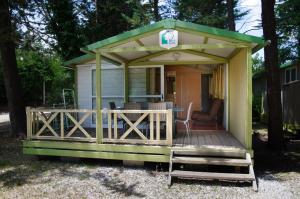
{"type": "Point", "coordinates": [197, 44]}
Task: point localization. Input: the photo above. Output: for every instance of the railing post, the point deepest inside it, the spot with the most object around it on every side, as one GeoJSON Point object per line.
{"type": "Point", "coordinates": [62, 128]}
{"type": "Point", "coordinates": [29, 123]}
{"type": "Point", "coordinates": [169, 127]}
{"type": "Point", "coordinates": [99, 129]}
{"type": "Point", "coordinates": [109, 124]}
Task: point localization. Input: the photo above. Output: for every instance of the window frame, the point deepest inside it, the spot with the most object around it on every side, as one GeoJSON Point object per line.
{"type": "Point", "coordinates": [289, 72]}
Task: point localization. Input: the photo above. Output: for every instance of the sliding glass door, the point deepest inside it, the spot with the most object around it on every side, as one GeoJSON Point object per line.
{"type": "Point", "coordinates": [146, 83]}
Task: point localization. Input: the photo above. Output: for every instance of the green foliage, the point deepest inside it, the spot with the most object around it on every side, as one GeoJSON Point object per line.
{"type": "Point", "coordinates": [35, 68]}
{"type": "Point", "coordinates": [257, 64]}
{"type": "Point", "coordinates": [211, 13]}
{"type": "Point", "coordinates": [64, 25]}
{"type": "Point", "coordinates": [145, 12]}
{"type": "Point", "coordinates": [107, 18]}
{"type": "Point", "coordinates": [288, 29]}
{"type": "Point", "coordinates": [256, 108]}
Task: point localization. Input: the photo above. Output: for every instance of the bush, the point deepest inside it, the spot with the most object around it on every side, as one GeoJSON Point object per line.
{"type": "Point", "coordinates": [35, 68]}
{"type": "Point", "coordinates": [256, 108]}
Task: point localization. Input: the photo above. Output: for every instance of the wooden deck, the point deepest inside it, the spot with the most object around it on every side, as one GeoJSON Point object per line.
{"type": "Point", "coordinates": [60, 133]}
{"type": "Point", "coordinates": [217, 143]}
{"type": "Point", "coordinates": [206, 138]}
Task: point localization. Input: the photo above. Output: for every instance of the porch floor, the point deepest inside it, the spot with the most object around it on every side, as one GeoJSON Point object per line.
{"type": "Point", "coordinates": [206, 138]}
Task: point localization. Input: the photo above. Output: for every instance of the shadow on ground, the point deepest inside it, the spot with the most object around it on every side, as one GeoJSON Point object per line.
{"type": "Point", "coordinates": [270, 161]}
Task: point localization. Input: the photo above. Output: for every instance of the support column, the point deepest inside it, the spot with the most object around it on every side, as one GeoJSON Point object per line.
{"type": "Point", "coordinates": [126, 86]}
{"type": "Point", "coordinates": [249, 99]}
{"type": "Point", "coordinates": [99, 129]}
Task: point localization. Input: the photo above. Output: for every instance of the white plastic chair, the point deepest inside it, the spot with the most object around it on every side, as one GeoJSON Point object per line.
{"type": "Point", "coordinates": [186, 122]}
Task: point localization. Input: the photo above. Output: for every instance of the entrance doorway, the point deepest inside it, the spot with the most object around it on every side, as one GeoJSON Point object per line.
{"type": "Point", "coordinates": [183, 85]}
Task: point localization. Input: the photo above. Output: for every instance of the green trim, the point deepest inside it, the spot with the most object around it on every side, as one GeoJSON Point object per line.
{"type": "Point", "coordinates": [198, 53]}
{"type": "Point", "coordinates": [79, 59]}
{"type": "Point", "coordinates": [88, 57]}
{"type": "Point", "coordinates": [97, 147]}
{"type": "Point", "coordinates": [96, 154]}
{"type": "Point", "coordinates": [207, 55]}
{"type": "Point", "coordinates": [147, 57]}
{"type": "Point", "coordinates": [175, 24]}
{"type": "Point", "coordinates": [119, 57]}
{"type": "Point", "coordinates": [174, 62]}
{"type": "Point", "coordinates": [287, 65]}
{"type": "Point", "coordinates": [258, 47]}
{"type": "Point", "coordinates": [179, 47]}
{"type": "Point", "coordinates": [99, 130]}
{"type": "Point", "coordinates": [219, 32]}
{"type": "Point", "coordinates": [127, 36]}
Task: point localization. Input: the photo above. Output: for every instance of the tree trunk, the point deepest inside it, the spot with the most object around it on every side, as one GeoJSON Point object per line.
{"type": "Point", "coordinates": [275, 132]}
{"type": "Point", "coordinates": [156, 10]}
{"type": "Point", "coordinates": [298, 46]}
{"type": "Point", "coordinates": [230, 11]}
{"type": "Point", "coordinates": [11, 78]}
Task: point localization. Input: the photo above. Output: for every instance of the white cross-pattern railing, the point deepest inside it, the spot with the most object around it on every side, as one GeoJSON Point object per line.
{"type": "Point", "coordinates": [149, 127]}
{"type": "Point", "coordinates": [58, 124]}
{"type": "Point", "coordinates": [148, 121]}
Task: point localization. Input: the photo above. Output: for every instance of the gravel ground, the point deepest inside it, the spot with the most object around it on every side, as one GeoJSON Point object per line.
{"type": "Point", "coordinates": [29, 177]}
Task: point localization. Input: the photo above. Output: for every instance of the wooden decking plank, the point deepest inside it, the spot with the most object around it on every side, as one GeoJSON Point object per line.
{"type": "Point", "coordinates": [207, 138]}
{"type": "Point", "coordinates": [98, 154]}
{"type": "Point", "coordinates": [211, 175]}
{"type": "Point", "coordinates": [212, 151]}
{"type": "Point", "coordinates": [212, 161]}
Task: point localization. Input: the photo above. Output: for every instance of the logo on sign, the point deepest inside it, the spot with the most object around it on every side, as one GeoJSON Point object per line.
{"type": "Point", "coordinates": [168, 38]}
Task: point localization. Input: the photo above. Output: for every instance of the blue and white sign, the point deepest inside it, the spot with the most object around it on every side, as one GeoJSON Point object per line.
{"type": "Point", "coordinates": [168, 38]}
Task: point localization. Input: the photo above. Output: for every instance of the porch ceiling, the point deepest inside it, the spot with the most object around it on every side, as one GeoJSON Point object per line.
{"type": "Point", "coordinates": [130, 52]}
{"type": "Point", "coordinates": [196, 44]}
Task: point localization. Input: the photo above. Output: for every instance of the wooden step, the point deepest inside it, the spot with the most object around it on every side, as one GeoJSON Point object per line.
{"type": "Point", "coordinates": [236, 153]}
{"type": "Point", "coordinates": [211, 161]}
{"type": "Point", "coordinates": [211, 175]}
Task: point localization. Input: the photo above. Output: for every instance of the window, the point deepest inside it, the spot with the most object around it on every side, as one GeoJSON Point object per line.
{"type": "Point", "coordinates": [290, 74]}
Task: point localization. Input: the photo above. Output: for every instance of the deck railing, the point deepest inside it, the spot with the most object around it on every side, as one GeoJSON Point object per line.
{"type": "Point", "coordinates": [145, 127]}
{"type": "Point", "coordinates": [59, 124]}
{"type": "Point", "coordinates": [148, 127]}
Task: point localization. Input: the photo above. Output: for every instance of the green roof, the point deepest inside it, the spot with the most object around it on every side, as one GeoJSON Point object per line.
{"type": "Point", "coordinates": [77, 60]}
{"type": "Point", "coordinates": [88, 57]}
{"type": "Point", "coordinates": [174, 24]}
{"type": "Point", "coordinates": [171, 23]}
{"type": "Point", "coordinates": [282, 66]}
{"type": "Point", "coordinates": [287, 64]}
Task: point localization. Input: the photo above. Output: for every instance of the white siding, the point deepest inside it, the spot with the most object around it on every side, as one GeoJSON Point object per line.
{"type": "Point", "coordinates": [84, 89]}
{"type": "Point", "coordinates": [112, 88]}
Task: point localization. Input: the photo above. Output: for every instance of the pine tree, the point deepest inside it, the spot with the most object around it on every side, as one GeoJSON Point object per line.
{"type": "Point", "coordinates": [212, 13]}
{"type": "Point", "coordinates": [10, 72]}
{"type": "Point", "coordinates": [288, 29]}
{"type": "Point", "coordinates": [275, 133]}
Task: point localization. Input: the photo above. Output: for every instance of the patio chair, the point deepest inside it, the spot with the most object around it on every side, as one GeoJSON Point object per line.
{"type": "Point", "coordinates": [212, 116]}
{"type": "Point", "coordinates": [112, 105]}
{"type": "Point", "coordinates": [187, 120]}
